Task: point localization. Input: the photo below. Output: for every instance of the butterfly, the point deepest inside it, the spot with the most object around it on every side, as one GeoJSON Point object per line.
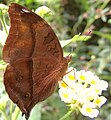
{"type": "Point", "coordinates": [35, 59]}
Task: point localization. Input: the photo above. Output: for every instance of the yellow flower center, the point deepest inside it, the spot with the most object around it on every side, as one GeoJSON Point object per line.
{"type": "Point", "coordinates": [82, 77]}
{"type": "Point", "coordinates": [89, 110]}
{"type": "Point", "coordinates": [65, 95]}
{"type": "Point", "coordinates": [71, 77]}
{"type": "Point", "coordinates": [97, 91]}
{"type": "Point", "coordinates": [98, 101]}
{"type": "Point", "coordinates": [93, 82]}
{"type": "Point", "coordinates": [63, 85]}
{"type": "Point", "coordinates": [90, 98]}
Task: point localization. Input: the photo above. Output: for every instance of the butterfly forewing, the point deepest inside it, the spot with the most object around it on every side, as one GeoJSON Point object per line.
{"type": "Point", "coordinates": [29, 36]}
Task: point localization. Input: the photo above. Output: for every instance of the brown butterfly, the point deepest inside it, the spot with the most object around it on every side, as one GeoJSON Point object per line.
{"type": "Point", "coordinates": [35, 59]}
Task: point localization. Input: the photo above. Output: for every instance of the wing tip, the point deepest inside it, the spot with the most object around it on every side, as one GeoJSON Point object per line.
{"type": "Point", "coordinates": [14, 6]}
{"type": "Point", "coordinates": [18, 9]}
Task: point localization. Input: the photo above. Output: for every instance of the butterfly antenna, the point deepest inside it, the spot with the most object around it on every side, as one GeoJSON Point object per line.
{"type": "Point", "coordinates": [65, 83]}
{"type": "Point", "coordinates": [69, 71]}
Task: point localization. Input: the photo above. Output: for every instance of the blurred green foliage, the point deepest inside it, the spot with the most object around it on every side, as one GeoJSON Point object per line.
{"type": "Point", "coordinates": [88, 17]}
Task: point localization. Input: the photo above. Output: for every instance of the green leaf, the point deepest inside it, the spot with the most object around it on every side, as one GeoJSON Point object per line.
{"type": "Point", "coordinates": [3, 103]}
{"type": "Point", "coordinates": [109, 21]}
{"type": "Point", "coordinates": [104, 35]}
{"type": "Point", "coordinates": [2, 65]}
{"type": "Point", "coordinates": [16, 113]}
{"type": "Point", "coordinates": [36, 112]}
{"type": "Point", "coordinates": [74, 39]}
{"type": "Point", "coordinates": [29, 1]}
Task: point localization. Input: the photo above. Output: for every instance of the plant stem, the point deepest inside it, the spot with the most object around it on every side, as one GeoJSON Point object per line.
{"type": "Point", "coordinates": [3, 22]}
{"type": "Point", "coordinates": [4, 115]}
{"type": "Point", "coordinates": [11, 106]}
{"type": "Point", "coordinates": [16, 113]}
{"type": "Point", "coordinates": [67, 114]}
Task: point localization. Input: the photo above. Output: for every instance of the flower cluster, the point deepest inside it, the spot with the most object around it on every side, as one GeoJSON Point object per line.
{"type": "Point", "coordinates": [83, 90]}
{"type": "Point", "coordinates": [3, 9]}
{"type": "Point", "coordinates": [43, 10]}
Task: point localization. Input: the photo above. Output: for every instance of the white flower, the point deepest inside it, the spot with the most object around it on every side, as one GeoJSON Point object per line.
{"type": "Point", "coordinates": [97, 89]}
{"type": "Point", "coordinates": [81, 76]}
{"type": "Point", "coordinates": [93, 80]}
{"type": "Point", "coordinates": [90, 94]}
{"type": "Point", "coordinates": [99, 101]}
{"type": "Point", "coordinates": [89, 110]}
{"type": "Point", "coordinates": [100, 86]}
{"type": "Point", "coordinates": [66, 95]}
{"type": "Point", "coordinates": [103, 84]}
{"type": "Point", "coordinates": [3, 37]}
{"type": "Point", "coordinates": [81, 97]}
{"type": "Point", "coordinates": [77, 87]}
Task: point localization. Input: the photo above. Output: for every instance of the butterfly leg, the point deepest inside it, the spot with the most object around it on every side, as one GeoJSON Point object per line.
{"type": "Point", "coordinates": [69, 71]}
